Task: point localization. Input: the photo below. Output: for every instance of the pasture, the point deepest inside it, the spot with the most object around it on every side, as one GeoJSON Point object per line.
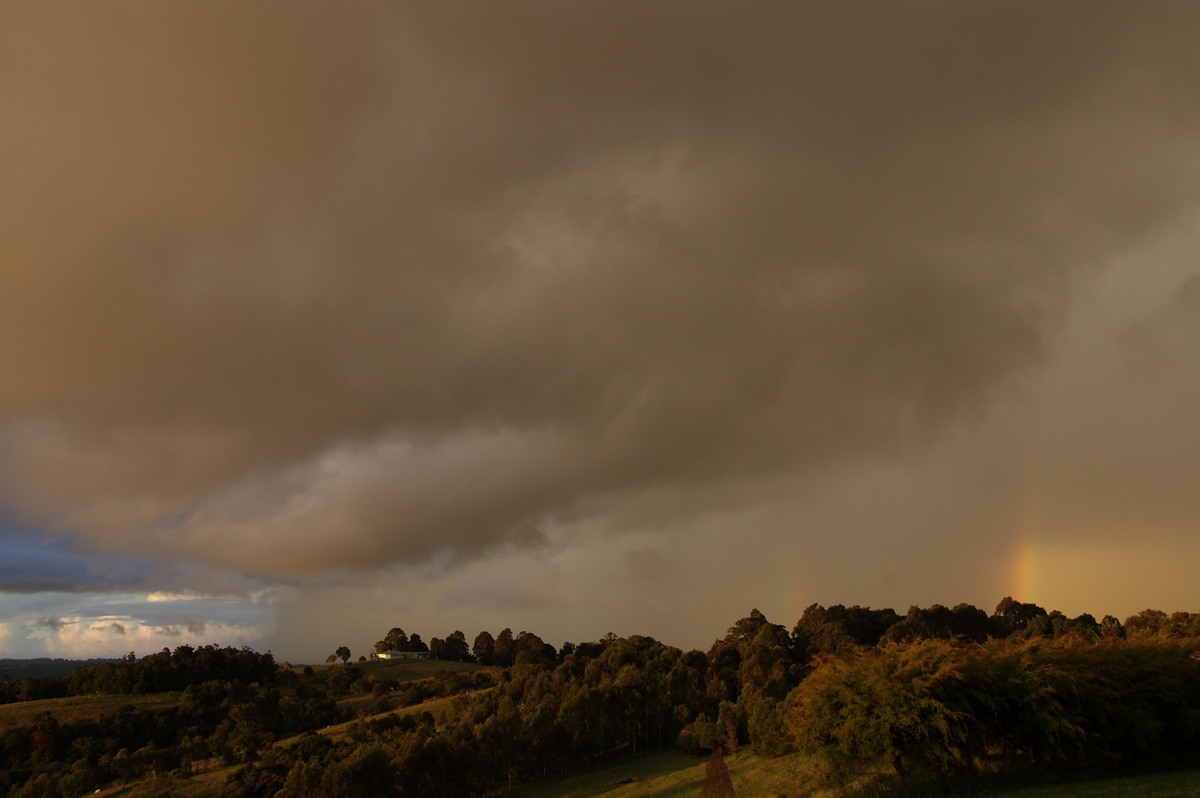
{"type": "Point", "coordinates": [672, 773]}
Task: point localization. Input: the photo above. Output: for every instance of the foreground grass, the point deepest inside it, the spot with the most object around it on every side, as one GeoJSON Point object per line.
{"type": "Point", "coordinates": [661, 773]}
{"type": "Point", "coordinates": [1176, 784]}
{"type": "Point", "coordinates": [1170, 784]}
{"type": "Point", "coordinates": [672, 773]}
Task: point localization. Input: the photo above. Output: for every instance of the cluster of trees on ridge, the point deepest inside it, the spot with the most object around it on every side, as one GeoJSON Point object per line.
{"type": "Point", "coordinates": [935, 690]}
{"type": "Point", "coordinates": [155, 673]}
{"type": "Point", "coordinates": [501, 649]}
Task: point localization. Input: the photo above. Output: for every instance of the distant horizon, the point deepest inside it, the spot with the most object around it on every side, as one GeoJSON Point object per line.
{"type": "Point", "coordinates": [318, 659]}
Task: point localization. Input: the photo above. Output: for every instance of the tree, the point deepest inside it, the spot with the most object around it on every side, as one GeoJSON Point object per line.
{"type": "Point", "coordinates": [964, 620]}
{"type": "Point", "coordinates": [900, 704]}
{"type": "Point", "coordinates": [1013, 616]}
{"type": "Point", "coordinates": [456, 647]}
{"type": "Point", "coordinates": [1110, 627]}
{"type": "Point", "coordinates": [729, 726]}
{"type": "Point", "coordinates": [1147, 623]}
{"type": "Point", "coordinates": [528, 648]}
{"type": "Point", "coordinates": [484, 648]}
{"type": "Point", "coordinates": [768, 735]}
{"type": "Point", "coordinates": [767, 662]}
{"type": "Point", "coordinates": [394, 640]}
{"type": "Point", "coordinates": [838, 629]}
{"type": "Point", "coordinates": [505, 649]}
{"type": "Point", "coordinates": [343, 653]}
{"type": "Point", "coordinates": [717, 783]}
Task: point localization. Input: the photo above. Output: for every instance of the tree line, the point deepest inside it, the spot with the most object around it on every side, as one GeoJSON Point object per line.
{"type": "Point", "coordinates": [501, 649]}
{"type": "Point", "coordinates": [951, 690]}
{"type": "Point", "coordinates": [155, 673]}
{"type": "Point", "coordinates": [967, 709]}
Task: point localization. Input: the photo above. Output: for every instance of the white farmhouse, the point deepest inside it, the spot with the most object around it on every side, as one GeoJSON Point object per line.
{"type": "Point", "coordinates": [403, 655]}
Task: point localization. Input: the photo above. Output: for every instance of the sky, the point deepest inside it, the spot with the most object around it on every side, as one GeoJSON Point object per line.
{"type": "Point", "coordinates": [318, 319]}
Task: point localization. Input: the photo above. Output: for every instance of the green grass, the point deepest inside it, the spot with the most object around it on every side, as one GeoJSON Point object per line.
{"type": "Point", "coordinates": [399, 671]}
{"type": "Point", "coordinates": [1175, 784]}
{"type": "Point", "coordinates": [201, 786]}
{"type": "Point", "coordinates": [447, 707]}
{"type": "Point", "coordinates": [665, 774]}
{"type": "Point", "coordinates": [672, 773]}
{"type": "Point", "coordinates": [93, 707]}
{"type": "Point", "coordinates": [83, 707]}
{"type": "Point", "coordinates": [1167, 784]}
{"type": "Point", "coordinates": [662, 773]}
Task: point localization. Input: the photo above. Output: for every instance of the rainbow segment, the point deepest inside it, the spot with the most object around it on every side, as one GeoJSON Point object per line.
{"type": "Point", "coordinates": [1020, 570]}
{"type": "Point", "coordinates": [1027, 560]}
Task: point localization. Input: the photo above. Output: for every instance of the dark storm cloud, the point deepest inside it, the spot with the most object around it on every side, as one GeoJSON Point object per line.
{"type": "Point", "coordinates": [32, 564]}
{"type": "Point", "coordinates": [291, 292]}
{"type": "Point", "coordinates": [1123, 443]}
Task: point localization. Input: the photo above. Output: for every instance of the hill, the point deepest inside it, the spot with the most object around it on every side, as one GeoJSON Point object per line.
{"type": "Point", "coordinates": [45, 668]}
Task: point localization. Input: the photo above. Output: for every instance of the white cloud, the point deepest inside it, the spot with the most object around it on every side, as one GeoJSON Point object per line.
{"type": "Point", "coordinates": [162, 596]}
{"type": "Point", "coordinates": [115, 636]}
{"type": "Point", "coordinates": [85, 625]}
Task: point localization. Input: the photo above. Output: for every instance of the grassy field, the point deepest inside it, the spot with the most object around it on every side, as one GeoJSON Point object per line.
{"type": "Point", "coordinates": [671, 773]}
{"type": "Point", "coordinates": [202, 786]}
{"type": "Point", "coordinates": [84, 707]}
{"type": "Point", "coordinates": [399, 671]}
{"type": "Point", "coordinates": [91, 707]}
{"type": "Point", "coordinates": [1177, 784]}
{"type": "Point", "coordinates": [440, 708]}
